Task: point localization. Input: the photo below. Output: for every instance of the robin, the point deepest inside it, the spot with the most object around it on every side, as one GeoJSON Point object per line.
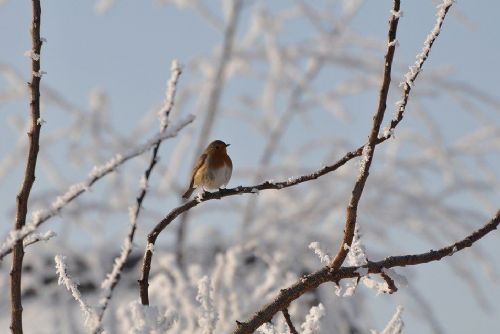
{"type": "Point", "coordinates": [213, 169]}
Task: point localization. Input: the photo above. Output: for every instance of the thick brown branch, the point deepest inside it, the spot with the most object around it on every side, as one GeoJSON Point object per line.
{"type": "Point", "coordinates": [329, 274]}
{"type": "Point", "coordinates": [352, 208]}
{"type": "Point", "coordinates": [16, 325]}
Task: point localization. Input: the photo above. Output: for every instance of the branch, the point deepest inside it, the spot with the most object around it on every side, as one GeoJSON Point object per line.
{"type": "Point", "coordinates": [77, 189]}
{"type": "Point", "coordinates": [67, 281]}
{"type": "Point", "coordinates": [329, 274]}
{"type": "Point", "coordinates": [16, 325]}
{"type": "Point", "coordinates": [34, 238]}
{"type": "Point", "coordinates": [289, 321]}
{"type": "Point", "coordinates": [415, 70]}
{"type": "Point", "coordinates": [113, 277]}
{"type": "Point", "coordinates": [369, 149]}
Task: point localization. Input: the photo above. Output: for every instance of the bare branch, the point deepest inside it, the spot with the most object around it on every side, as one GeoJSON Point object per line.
{"type": "Point", "coordinates": [16, 325]}
{"type": "Point", "coordinates": [329, 274]}
{"type": "Point", "coordinates": [369, 149]}
{"type": "Point", "coordinates": [289, 321]}
{"type": "Point", "coordinates": [390, 282]}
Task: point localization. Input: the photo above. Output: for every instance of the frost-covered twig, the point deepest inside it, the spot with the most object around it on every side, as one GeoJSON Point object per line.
{"type": "Point", "coordinates": [311, 325]}
{"type": "Point", "coordinates": [328, 274]}
{"type": "Point", "coordinates": [415, 70]}
{"type": "Point", "coordinates": [369, 150]}
{"type": "Point", "coordinates": [16, 324]}
{"type": "Point", "coordinates": [208, 318]}
{"type": "Point", "coordinates": [67, 281]}
{"type": "Point", "coordinates": [36, 237]}
{"type": "Point", "coordinates": [323, 256]}
{"type": "Point", "coordinates": [113, 277]}
{"type": "Point", "coordinates": [79, 188]}
{"type": "Point", "coordinates": [395, 325]}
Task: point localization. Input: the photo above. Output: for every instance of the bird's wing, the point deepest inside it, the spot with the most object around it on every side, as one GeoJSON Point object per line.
{"type": "Point", "coordinates": [199, 163]}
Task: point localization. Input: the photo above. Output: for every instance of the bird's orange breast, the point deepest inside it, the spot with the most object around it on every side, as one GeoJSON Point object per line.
{"type": "Point", "coordinates": [219, 160]}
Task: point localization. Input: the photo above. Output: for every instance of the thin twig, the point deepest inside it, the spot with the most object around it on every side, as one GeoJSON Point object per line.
{"type": "Point", "coordinates": [34, 238]}
{"type": "Point", "coordinates": [390, 282]}
{"type": "Point", "coordinates": [113, 278]}
{"type": "Point", "coordinates": [328, 274]}
{"type": "Point", "coordinates": [369, 150]}
{"type": "Point", "coordinates": [415, 70]}
{"type": "Point", "coordinates": [289, 321]}
{"type": "Point", "coordinates": [16, 325]}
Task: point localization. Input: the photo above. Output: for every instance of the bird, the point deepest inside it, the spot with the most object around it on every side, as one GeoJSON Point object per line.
{"type": "Point", "coordinates": [212, 170]}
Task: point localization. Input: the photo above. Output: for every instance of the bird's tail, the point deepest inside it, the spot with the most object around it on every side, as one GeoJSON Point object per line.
{"type": "Point", "coordinates": [188, 193]}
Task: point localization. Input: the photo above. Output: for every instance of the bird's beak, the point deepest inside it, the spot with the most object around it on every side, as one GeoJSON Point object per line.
{"type": "Point", "coordinates": [228, 145]}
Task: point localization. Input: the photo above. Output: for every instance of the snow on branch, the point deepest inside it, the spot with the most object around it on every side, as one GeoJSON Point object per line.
{"type": "Point", "coordinates": [35, 237]}
{"type": "Point", "coordinates": [71, 286]}
{"type": "Point", "coordinates": [323, 256]}
{"type": "Point", "coordinates": [311, 325]}
{"type": "Point", "coordinates": [98, 172]}
{"type": "Point", "coordinates": [208, 318]}
{"type": "Point", "coordinates": [395, 325]}
{"type": "Point", "coordinates": [165, 109]}
{"type": "Point", "coordinates": [142, 319]}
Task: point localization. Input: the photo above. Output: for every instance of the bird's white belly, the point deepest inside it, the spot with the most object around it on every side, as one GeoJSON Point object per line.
{"type": "Point", "coordinates": [216, 179]}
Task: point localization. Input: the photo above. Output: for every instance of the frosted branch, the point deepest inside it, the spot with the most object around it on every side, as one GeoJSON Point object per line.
{"type": "Point", "coordinates": [415, 70]}
{"type": "Point", "coordinates": [396, 324]}
{"type": "Point", "coordinates": [312, 325]}
{"type": "Point", "coordinates": [323, 256]}
{"type": "Point", "coordinates": [168, 104]}
{"type": "Point", "coordinates": [208, 317]}
{"type": "Point", "coordinates": [71, 286]}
